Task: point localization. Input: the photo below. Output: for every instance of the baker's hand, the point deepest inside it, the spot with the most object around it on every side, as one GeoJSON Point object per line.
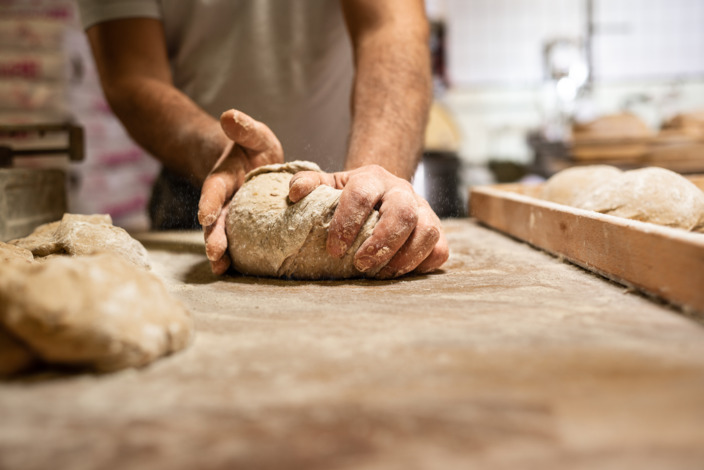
{"type": "Point", "coordinates": [408, 235]}
{"type": "Point", "coordinates": [252, 145]}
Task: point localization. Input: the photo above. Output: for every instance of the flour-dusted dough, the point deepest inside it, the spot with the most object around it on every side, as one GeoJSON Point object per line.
{"type": "Point", "coordinates": [98, 311]}
{"type": "Point", "coordinates": [78, 234]}
{"type": "Point", "coordinates": [569, 185]}
{"type": "Point", "coordinates": [8, 252]}
{"type": "Point", "coordinates": [270, 236]}
{"type": "Point", "coordinates": [15, 357]}
{"type": "Point", "coordinates": [651, 194]}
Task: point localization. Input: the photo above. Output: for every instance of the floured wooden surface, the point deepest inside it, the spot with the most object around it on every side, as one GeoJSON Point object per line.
{"type": "Point", "coordinates": [509, 359]}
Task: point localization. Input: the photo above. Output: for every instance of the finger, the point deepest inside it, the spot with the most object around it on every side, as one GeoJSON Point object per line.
{"type": "Point", "coordinates": [356, 203]}
{"type": "Point", "coordinates": [216, 237]}
{"type": "Point", "coordinates": [220, 185]}
{"type": "Point", "coordinates": [398, 218]}
{"type": "Point", "coordinates": [248, 132]}
{"type": "Point", "coordinates": [437, 257]}
{"type": "Point", "coordinates": [212, 197]}
{"type": "Point", "coordinates": [417, 248]}
{"type": "Point", "coordinates": [220, 266]}
{"type": "Point", "coordinates": [304, 182]}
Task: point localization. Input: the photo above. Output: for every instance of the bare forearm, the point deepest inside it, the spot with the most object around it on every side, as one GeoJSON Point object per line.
{"type": "Point", "coordinates": [168, 125]}
{"type": "Point", "coordinates": [391, 99]}
{"type": "Point", "coordinates": [132, 61]}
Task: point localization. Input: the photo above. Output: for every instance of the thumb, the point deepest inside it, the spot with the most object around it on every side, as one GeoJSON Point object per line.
{"type": "Point", "coordinates": [220, 185]}
{"type": "Point", "coordinates": [304, 182]}
{"type": "Point", "coordinates": [248, 132]}
{"type": "Point", "coordinates": [214, 193]}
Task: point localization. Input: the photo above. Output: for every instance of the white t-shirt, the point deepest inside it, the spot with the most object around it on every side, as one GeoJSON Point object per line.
{"type": "Point", "coordinates": [285, 63]}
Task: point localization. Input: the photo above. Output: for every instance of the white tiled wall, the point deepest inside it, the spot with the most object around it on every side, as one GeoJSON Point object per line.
{"type": "Point", "coordinates": [500, 41]}
{"type": "Point", "coordinates": [649, 39]}
{"type": "Point", "coordinates": [647, 48]}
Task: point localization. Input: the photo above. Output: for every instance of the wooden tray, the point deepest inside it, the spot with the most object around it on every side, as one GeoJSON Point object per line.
{"type": "Point", "coordinates": [660, 261]}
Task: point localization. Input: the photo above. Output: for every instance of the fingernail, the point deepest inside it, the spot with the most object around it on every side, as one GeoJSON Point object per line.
{"type": "Point", "coordinates": [364, 263]}
{"type": "Point", "coordinates": [293, 191]}
{"type": "Point", "coordinates": [337, 247]}
{"type": "Point", "coordinates": [213, 252]}
{"type": "Point", "coordinates": [387, 273]}
{"type": "Point", "coordinates": [208, 219]}
{"type": "Point", "coordinates": [220, 266]}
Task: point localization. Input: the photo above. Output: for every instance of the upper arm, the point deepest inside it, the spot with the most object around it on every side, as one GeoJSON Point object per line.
{"type": "Point", "coordinates": [129, 48]}
{"type": "Point", "coordinates": [365, 17]}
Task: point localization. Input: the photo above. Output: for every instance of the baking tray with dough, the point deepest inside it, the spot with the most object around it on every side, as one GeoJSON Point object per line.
{"type": "Point", "coordinates": [659, 261]}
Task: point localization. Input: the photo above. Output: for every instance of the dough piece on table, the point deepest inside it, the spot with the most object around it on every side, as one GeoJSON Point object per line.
{"type": "Point", "coordinates": [41, 242]}
{"type": "Point", "coordinates": [270, 236]}
{"type": "Point", "coordinates": [8, 251]}
{"type": "Point", "coordinates": [651, 194]}
{"type": "Point", "coordinates": [14, 356]}
{"type": "Point", "coordinates": [83, 235]}
{"type": "Point", "coordinates": [568, 185]}
{"type": "Point", "coordinates": [98, 311]}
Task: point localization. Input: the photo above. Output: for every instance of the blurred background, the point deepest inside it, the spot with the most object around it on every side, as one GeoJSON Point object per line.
{"type": "Point", "coordinates": [523, 88]}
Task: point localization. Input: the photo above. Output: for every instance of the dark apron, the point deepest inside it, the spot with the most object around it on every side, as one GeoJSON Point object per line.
{"type": "Point", "coordinates": [174, 203]}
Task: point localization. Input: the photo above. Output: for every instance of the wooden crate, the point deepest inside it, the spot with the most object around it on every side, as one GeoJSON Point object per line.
{"type": "Point", "coordinates": [660, 261]}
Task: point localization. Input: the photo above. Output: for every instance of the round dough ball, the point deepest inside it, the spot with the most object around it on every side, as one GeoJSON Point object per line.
{"type": "Point", "coordinates": [651, 194]}
{"type": "Point", "coordinates": [99, 311]}
{"type": "Point", "coordinates": [569, 185]}
{"type": "Point", "coordinates": [270, 236]}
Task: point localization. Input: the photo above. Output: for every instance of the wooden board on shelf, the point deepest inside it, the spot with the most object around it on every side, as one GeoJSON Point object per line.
{"type": "Point", "coordinates": [629, 152]}
{"type": "Point", "coordinates": [660, 261]}
{"type": "Point", "coordinates": [677, 152]}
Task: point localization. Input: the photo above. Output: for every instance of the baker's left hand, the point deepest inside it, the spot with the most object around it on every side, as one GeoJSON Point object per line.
{"type": "Point", "coordinates": [252, 144]}
{"type": "Point", "coordinates": [408, 236]}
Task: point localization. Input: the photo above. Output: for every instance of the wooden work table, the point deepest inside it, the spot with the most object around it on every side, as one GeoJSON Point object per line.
{"type": "Point", "coordinates": [510, 358]}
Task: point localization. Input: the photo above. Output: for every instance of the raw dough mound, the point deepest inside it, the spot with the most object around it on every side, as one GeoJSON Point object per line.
{"type": "Point", "coordinates": [568, 185]}
{"type": "Point", "coordinates": [41, 242]}
{"type": "Point", "coordinates": [650, 194]}
{"type": "Point", "coordinates": [84, 235]}
{"type": "Point", "coordinates": [14, 356]}
{"type": "Point", "coordinates": [270, 236]}
{"type": "Point", "coordinates": [8, 252]}
{"type": "Point", "coordinates": [98, 311]}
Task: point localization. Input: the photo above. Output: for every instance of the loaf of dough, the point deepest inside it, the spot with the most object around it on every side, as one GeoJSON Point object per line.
{"type": "Point", "coordinates": [8, 252]}
{"type": "Point", "coordinates": [568, 185]}
{"type": "Point", "coordinates": [270, 236]}
{"type": "Point", "coordinates": [98, 311]}
{"type": "Point", "coordinates": [14, 356]}
{"type": "Point", "coordinates": [75, 292]}
{"type": "Point", "coordinates": [650, 194]}
{"type": "Point", "coordinates": [77, 234]}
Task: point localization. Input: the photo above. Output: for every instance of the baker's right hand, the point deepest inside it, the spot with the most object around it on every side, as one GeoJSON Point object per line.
{"type": "Point", "coordinates": [252, 144]}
